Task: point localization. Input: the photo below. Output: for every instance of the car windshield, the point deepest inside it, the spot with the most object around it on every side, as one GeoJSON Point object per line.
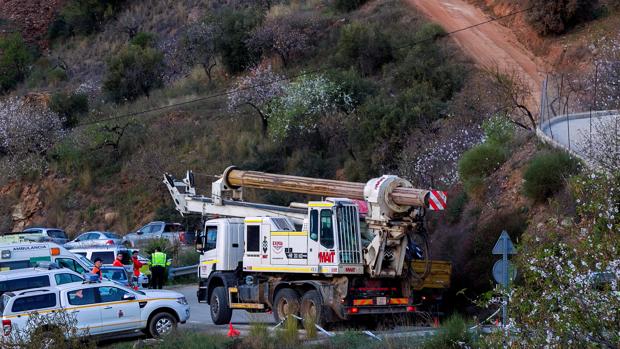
{"type": "Point", "coordinates": [85, 260]}
{"type": "Point", "coordinates": [116, 274]}
{"type": "Point", "coordinates": [111, 235]}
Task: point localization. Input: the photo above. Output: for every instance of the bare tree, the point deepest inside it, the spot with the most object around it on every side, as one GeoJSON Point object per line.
{"type": "Point", "coordinates": [200, 46]}
{"type": "Point", "coordinates": [288, 36]}
{"type": "Point", "coordinates": [130, 23]}
{"type": "Point", "coordinates": [256, 90]}
{"type": "Point", "coordinates": [513, 95]}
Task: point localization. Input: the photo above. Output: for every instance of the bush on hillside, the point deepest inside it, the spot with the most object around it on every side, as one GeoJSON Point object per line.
{"type": "Point", "coordinates": [143, 39]}
{"type": "Point", "coordinates": [547, 174]}
{"type": "Point", "coordinates": [83, 17]}
{"type": "Point", "coordinates": [70, 106]}
{"type": "Point", "coordinates": [549, 17]}
{"type": "Point", "coordinates": [235, 26]}
{"type": "Point", "coordinates": [348, 5]}
{"type": "Point", "coordinates": [134, 72]}
{"type": "Point", "coordinates": [481, 161]}
{"type": "Point", "coordinates": [498, 130]}
{"type": "Point", "coordinates": [15, 59]}
{"type": "Point", "coordinates": [363, 46]}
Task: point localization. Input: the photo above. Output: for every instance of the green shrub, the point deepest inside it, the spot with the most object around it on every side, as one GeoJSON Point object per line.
{"type": "Point", "coordinates": [236, 26]}
{"type": "Point", "coordinates": [143, 39]}
{"type": "Point", "coordinates": [15, 58]}
{"type": "Point", "coordinates": [549, 17]}
{"type": "Point", "coordinates": [454, 333]}
{"type": "Point", "coordinates": [547, 174]}
{"type": "Point", "coordinates": [134, 72]}
{"type": "Point", "coordinates": [348, 5]}
{"type": "Point", "coordinates": [363, 46]}
{"type": "Point", "coordinates": [69, 106]}
{"type": "Point", "coordinates": [480, 161]}
{"type": "Point", "coordinates": [498, 130]}
{"type": "Point", "coordinates": [83, 17]}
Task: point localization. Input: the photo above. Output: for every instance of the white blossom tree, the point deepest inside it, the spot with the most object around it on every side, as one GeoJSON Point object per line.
{"type": "Point", "coordinates": [288, 36]}
{"type": "Point", "coordinates": [27, 128]}
{"type": "Point", "coordinates": [256, 90]}
{"type": "Point", "coordinates": [27, 132]}
{"type": "Point", "coordinates": [306, 101]}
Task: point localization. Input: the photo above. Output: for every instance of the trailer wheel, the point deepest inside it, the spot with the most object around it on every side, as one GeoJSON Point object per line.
{"type": "Point", "coordinates": [220, 310]}
{"type": "Point", "coordinates": [312, 308]}
{"type": "Point", "coordinates": [285, 303]}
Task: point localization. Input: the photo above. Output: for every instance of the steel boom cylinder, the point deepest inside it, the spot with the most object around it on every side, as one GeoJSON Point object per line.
{"type": "Point", "coordinates": [320, 187]}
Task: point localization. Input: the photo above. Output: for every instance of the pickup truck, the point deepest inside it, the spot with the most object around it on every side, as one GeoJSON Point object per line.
{"type": "Point", "coordinates": [100, 309]}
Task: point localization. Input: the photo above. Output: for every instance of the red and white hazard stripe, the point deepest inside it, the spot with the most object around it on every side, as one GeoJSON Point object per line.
{"type": "Point", "coordinates": [437, 200]}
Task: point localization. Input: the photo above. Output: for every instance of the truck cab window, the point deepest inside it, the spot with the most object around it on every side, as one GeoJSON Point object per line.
{"type": "Point", "coordinates": [314, 225]}
{"type": "Point", "coordinates": [211, 238]}
{"type": "Point", "coordinates": [327, 230]}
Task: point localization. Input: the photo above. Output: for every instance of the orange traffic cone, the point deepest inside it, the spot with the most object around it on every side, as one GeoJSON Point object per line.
{"type": "Point", "coordinates": [231, 331]}
{"type": "Point", "coordinates": [436, 322]}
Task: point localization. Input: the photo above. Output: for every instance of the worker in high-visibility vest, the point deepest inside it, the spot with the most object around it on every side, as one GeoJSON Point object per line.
{"type": "Point", "coordinates": [159, 262]}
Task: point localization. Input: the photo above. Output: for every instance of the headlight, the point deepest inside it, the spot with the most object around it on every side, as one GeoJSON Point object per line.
{"type": "Point", "coordinates": [182, 300]}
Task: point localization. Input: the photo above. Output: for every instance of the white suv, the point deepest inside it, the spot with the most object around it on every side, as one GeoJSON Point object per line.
{"type": "Point", "coordinates": [100, 308]}
{"type": "Point", "coordinates": [23, 279]}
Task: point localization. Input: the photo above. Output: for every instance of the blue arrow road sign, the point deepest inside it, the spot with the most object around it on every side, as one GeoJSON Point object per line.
{"type": "Point", "coordinates": [504, 245]}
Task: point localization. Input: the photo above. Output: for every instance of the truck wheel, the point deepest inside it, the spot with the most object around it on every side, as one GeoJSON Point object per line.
{"type": "Point", "coordinates": [220, 310]}
{"type": "Point", "coordinates": [312, 308]}
{"type": "Point", "coordinates": [162, 324]}
{"type": "Point", "coordinates": [286, 303]}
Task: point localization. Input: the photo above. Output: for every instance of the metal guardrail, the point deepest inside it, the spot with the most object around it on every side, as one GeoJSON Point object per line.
{"type": "Point", "coordinates": [180, 271]}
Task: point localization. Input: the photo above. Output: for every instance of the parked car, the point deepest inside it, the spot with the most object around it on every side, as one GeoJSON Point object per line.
{"type": "Point", "coordinates": [35, 235]}
{"type": "Point", "coordinates": [23, 279]}
{"type": "Point", "coordinates": [101, 309]}
{"type": "Point", "coordinates": [107, 255]}
{"type": "Point", "coordinates": [94, 238]}
{"type": "Point", "coordinates": [121, 276]}
{"type": "Point", "coordinates": [55, 235]}
{"type": "Point", "coordinates": [173, 232]}
{"type": "Point", "coordinates": [28, 254]}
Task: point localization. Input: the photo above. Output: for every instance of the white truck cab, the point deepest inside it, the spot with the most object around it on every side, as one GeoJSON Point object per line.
{"type": "Point", "coordinates": [27, 255]}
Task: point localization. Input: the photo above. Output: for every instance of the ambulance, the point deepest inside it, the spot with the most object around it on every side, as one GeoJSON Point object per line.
{"type": "Point", "coordinates": [29, 254]}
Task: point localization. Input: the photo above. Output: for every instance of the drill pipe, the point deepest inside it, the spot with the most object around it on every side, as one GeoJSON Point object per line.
{"type": "Point", "coordinates": [320, 187]}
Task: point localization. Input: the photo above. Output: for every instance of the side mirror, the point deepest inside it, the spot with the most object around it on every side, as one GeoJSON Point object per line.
{"type": "Point", "coordinates": [139, 232]}
{"type": "Point", "coordinates": [129, 297]}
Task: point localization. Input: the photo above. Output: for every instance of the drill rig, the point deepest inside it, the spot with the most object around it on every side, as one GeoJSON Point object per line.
{"type": "Point", "coordinates": [321, 259]}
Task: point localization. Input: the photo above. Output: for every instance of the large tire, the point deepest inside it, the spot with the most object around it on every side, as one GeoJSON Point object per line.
{"type": "Point", "coordinates": [162, 324]}
{"type": "Point", "coordinates": [220, 310]}
{"type": "Point", "coordinates": [285, 303]}
{"type": "Point", "coordinates": [312, 308]}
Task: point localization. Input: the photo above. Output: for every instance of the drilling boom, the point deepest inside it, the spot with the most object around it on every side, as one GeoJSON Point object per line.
{"type": "Point", "coordinates": [321, 187]}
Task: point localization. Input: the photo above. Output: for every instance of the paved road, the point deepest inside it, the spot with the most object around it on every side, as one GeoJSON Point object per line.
{"type": "Point", "coordinates": [574, 131]}
{"type": "Point", "coordinates": [201, 319]}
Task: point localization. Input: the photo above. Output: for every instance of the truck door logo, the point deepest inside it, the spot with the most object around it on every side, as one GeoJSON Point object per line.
{"type": "Point", "coordinates": [326, 257]}
{"type": "Point", "coordinates": [277, 246]}
{"type": "Point", "coordinates": [265, 245]}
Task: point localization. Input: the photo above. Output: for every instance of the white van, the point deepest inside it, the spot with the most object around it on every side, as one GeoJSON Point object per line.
{"type": "Point", "coordinates": [107, 255]}
{"type": "Point", "coordinates": [27, 255]}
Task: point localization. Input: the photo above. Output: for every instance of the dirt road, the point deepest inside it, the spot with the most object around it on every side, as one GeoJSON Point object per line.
{"type": "Point", "coordinates": [489, 45]}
